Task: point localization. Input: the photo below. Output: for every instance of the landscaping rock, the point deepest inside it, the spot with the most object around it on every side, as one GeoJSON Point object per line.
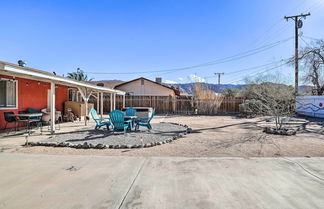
{"type": "Point", "coordinates": [85, 145]}
{"type": "Point", "coordinates": [86, 139]}
{"type": "Point", "coordinates": [284, 131]}
{"type": "Point", "coordinates": [99, 146]}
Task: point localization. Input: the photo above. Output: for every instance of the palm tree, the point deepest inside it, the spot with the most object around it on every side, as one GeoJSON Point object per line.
{"type": "Point", "coordinates": [79, 75]}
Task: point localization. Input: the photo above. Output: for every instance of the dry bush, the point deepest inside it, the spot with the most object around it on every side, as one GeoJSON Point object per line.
{"type": "Point", "coordinates": [270, 99]}
{"type": "Point", "coordinates": [206, 100]}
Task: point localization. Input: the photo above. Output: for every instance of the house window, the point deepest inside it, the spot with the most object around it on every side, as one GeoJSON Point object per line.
{"type": "Point", "coordinates": [74, 95]}
{"type": "Point", "coordinates": [8, 94]}
{"type": "Point", "coordinates": [142, 82]}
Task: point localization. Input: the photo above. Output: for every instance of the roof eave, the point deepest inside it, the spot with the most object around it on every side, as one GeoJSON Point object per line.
{"type": "Point", "coordinates": [18, 71]}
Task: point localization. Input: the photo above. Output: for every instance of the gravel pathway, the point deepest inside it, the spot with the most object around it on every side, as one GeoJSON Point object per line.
{"type": "Point", "coordinates": [89, 138]}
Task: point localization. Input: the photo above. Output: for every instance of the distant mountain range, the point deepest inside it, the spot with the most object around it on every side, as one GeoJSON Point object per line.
{"type": "Point", "coordinates": [187, 87]}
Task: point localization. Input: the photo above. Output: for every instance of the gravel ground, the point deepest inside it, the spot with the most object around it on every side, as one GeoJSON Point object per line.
{"type": "Point", "coordinates": [161, 132]}
{"type": "Point", "coordinates": [211, 136]}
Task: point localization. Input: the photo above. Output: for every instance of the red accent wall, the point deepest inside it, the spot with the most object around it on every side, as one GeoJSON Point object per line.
{"type": "Point", "coordinates": [33, 94]}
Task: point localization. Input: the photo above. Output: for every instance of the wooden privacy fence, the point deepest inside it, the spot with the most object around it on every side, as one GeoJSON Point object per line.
{"type": "Point", "coordinates": [171, 105]}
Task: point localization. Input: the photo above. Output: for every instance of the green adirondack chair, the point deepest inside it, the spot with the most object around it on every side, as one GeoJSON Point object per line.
{"type": "Point", "coordinates": [117, 118]}
{"type": "Point", "coordinates": [99, 121]}
{"type": "Point", "coordinates": [145, 122]}
{"type": "Point", "coordinates": [130, 111]}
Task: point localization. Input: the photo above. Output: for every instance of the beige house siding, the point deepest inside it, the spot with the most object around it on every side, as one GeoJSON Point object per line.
{"type": "Point", "coordinates": [148, 88]}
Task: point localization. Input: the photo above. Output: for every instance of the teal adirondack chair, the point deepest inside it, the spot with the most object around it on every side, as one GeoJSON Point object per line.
{"type": "Point", "coordinates": [99, 121]}
{"type": "Point", "coordinates": [117, 118]}
{"type": "Point", "coordinates": [145, 122]}
{"type": "Point", "coordinates": [130, 111]}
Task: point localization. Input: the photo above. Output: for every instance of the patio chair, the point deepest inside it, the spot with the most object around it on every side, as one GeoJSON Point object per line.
{"type": "Point", "coordinates": [145, 121]}
{"type": "Point", "coordinates": [130, 111]}
{"type": "Point", "coordinates": [99, 121]}
{"type": "Point", "coordinates": [30, 121]}
{"type": "Point", "coordinates": [117, 118]}
{"type": "Point", "coordinates": [10, 118]}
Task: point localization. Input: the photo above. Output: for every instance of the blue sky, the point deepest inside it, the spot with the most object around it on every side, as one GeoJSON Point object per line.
{"type": "Point", "coordinates": [134, 36]}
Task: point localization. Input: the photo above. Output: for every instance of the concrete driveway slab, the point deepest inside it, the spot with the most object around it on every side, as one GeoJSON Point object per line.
{"type": "Point", "coordinates": [227, 183]}
{"type": "Point", "coordinates": [48, 181]}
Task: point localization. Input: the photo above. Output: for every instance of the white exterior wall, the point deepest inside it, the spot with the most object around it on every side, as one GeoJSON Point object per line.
{"type": "Point", "coordinates": [135, 88]}
{"type": "Point", "coordinates": [310, 105]}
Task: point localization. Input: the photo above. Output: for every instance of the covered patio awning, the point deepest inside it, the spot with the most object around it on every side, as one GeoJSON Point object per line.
{"type": "Point", "coordinates": [86, 89]}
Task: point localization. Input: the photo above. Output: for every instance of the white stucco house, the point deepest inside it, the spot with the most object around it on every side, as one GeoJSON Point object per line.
{"type": "Point", "coordinates": [145, 87]}
{"type": "Point", "coordinates": [142, 87]}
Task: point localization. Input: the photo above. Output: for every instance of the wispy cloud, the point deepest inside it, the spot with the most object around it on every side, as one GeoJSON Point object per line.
{"type": "Point", "coordinates": [170, 82]}
{"type": "Point", "coordinates": [195, 78]}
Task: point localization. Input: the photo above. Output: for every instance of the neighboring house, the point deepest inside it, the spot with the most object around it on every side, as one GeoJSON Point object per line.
{"type": "Point", "coordinates": [23, 87]}
{"type": "Point", "coordinates": [141, 87]}
{"type": "Point", "coordinates": [107, 84]}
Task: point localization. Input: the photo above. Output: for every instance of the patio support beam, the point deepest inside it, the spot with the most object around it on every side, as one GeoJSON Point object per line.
{"type": "Point", "coordinates": [111, 102]}
{"type": "Point", "coordinates": [101, 104]}
{"type": "Point", "coordinates": [114, 101]}
{"type": "Point", "coordinates": [98, 94]}
{"type": "Point", "coordinates": [52, 107]}
{"type": "Point", "coordinates": [85, 96]}
{"type": "Point", "coordinates": [124, 100]}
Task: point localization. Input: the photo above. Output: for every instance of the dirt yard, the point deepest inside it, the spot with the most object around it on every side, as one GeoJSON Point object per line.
{"type": "Point", "coordinates": [216, 136]}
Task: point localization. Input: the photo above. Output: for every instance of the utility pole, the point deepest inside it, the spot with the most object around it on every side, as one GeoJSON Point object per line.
{"type": "Point", "coordinates": [219, 76]}
{"type": "Point", "coordinates": [298, 24]}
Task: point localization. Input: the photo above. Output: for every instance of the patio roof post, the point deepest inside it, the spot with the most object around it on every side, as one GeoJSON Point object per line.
{"type": "Point", "coordinates": [52, 107]}
{"type": "Point", "coordinates": [124, 100]}
{"type": "Point", "coordinates": [101, 104]}
{"type": "Point", "coordinates": [98, 101]}
{"type": "Point", "coordinates": [114, 101]}
{"type": "Point", "coordinates": [85, 96]}
{"type": "Point", "coordinates": [111, 102]}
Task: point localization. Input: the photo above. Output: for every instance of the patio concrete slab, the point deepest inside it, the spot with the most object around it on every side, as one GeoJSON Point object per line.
{"type": "Point", "coordinates": [48, 181]}
{"type": "Point", "coordinates": [45, 181]}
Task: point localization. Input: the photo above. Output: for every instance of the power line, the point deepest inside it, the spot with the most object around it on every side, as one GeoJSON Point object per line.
{"type": "Point", "coordinates": [215, 62]}
{"type": "Point", "coordinates": [315, 39]}
{"type": "Point", "coordinates": [307, 44]}
{"type": "Point", "coordinates": [267, 34]}
{"type": "Point", "coordinates": [258, 73]}
{"type": "Point", "coordinates": [259, 67]}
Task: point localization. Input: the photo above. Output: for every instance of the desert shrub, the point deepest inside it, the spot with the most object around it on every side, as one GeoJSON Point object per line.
{"type": "Point", "coordinates": [206, 100]}
{"type": "Point", "coordinates": [230, 92]}
{"type": "Point", "coordinates": [271, 99]}
{"type": "Point", "coordinates": [250, 108]}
